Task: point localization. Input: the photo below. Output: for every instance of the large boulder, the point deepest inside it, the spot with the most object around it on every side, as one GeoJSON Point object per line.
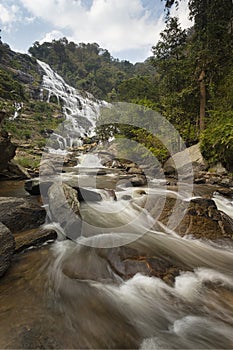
{"type": "Point", "coordinates": [201, 220]}
{"type": "Point", "coordinates": [20, 214]}
{"type": "Point", "coordinates": [7, 246]}
{"type": "Point", "coordinates": [33, 238]}
{"type": "Point", "coordinates": [178, 162]}
{"type": "Point", "coordinates": [127, 262]}
{"type": "Point", "coordinates": [64, 209]}
{"type": "Point", "coordinates": [34, 187]}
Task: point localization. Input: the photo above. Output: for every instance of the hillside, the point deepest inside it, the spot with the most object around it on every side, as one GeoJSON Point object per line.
{"type": "Point", "coordinates": [20, 81]}
{"type": "Point", "coordinates": [92, 68]}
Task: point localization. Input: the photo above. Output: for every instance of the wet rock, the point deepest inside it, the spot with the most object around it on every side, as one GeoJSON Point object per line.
{"type": "Point", "coordinates": [213, 180]}
{"type": "Point", "coordinates": [226, 192]}
{"type": "Point", "coordinates": [126, 197]}
{"type": "Point", "coordinates": [85, 195]}
{"type": "Point", "coordinates": [127, 262]}
{"type": "Point", "coordinates": [226, 182]}
{"type": "Point", "coordinates": [135, 171]}
{"type": "Point", "coordinates": [34, 186]}
{"type": "Point", "coordinates": [7, 246]}
{"type": "Point", "coordinates": [200, 181]}
{"type": "Point", "coordinates": [33, 238]}
{"type": "Point", "coordinates": [138, 180]}
{"type": "Point", "coordinates": [64, 209]}
{"type": "Point", "coordinates": [204, 220]}
{"type": "Point", "coordinates": [20, 214]}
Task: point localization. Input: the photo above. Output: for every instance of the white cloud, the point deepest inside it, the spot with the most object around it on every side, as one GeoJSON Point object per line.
{"type": "Point", "coordinates": [115, 24]}
{"type": "Point", "coordinates": [5, 16]}
{"type": "Point", "coordinates": [54, 34]}
{"type": "Point", "coordinates": [183, 14]}
{"type": "Point", "coordinates": [8, 14]}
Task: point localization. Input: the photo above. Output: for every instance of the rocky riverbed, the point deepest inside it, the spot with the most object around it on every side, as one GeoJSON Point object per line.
{"type": "Point", "coordinates": [136, 211]}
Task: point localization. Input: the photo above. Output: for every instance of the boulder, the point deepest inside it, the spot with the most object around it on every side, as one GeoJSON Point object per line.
{"type": "Point", "coordinates": [20, 214]}
{"type": "Point", "coordinates": [33, 186]}
{"type": "Point", "coordinates": [138, 180]}
{"type": "Point", "coordinates": [178, 163]}
{"type": "Point", "coordinates": [127, 262]}
{"type": "Point", "coordinates": [33, 238]}
{"type": "Point", "coordinates": [7, 246]}
{"type": "Point", "coordinates": [135, 171]}
{"type": "Point", "coordinates": [64, 209]}
{"type": "Point", "coordinates": [202, 219]}
{"type": "Point", "coordinates": [85, 195]}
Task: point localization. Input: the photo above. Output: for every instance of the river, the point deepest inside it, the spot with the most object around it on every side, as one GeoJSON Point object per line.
{"type": "Point", "coordinates": [66, 295]}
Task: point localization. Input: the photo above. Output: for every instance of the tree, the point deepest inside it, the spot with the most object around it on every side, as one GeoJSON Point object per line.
{"type": "Point", "coordinates": [177, 90]}
{"type": "Point", "coordinates": [211, 44]}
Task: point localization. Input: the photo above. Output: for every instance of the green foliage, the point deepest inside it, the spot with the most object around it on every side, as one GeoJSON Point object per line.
{"type": "Point", "coordinates": [9, 87]}
{"type": "Point", "coordinates": [217, 139]}
{"type": "Point", "coordinates": [29, 162]}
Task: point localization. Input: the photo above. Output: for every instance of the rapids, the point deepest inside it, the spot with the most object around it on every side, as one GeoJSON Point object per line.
{"type": "Point", "coordinates": [68, 295]}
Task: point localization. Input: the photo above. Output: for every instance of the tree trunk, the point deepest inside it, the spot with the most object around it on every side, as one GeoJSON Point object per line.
{"type": "Point", "coordinates": [202, 100]}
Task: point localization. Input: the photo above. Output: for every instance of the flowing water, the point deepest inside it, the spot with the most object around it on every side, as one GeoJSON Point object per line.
{"type": "Point", "coordinates": [81, 110]}
{"type": "Point", "coordinates": [69, 296]}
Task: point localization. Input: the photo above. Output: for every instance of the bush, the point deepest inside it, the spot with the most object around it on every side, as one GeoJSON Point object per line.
{"type": "Point", "coordinates": [217, 139]}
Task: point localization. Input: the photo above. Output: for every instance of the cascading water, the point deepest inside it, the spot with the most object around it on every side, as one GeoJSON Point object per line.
{"type": "Point", "coordinates": [81, 110]}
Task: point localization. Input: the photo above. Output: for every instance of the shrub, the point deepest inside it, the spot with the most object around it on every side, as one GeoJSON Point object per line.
{"type": "Point", "coordinates": [217, 139]}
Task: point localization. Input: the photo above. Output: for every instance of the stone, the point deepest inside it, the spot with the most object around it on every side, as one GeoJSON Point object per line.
{"type": "Point", "coordinates": [138, 180]}
{"type": "Point", "coordinates": [20, 214]}
{"type": "Point", "coordinates": [127, 262]}
{"type": "Point", "coordinates": [178, 163]}
{"type": "Point", "coordinates": [200, 181]}
{"type": "Point", "coordinates": [33, 238]}
{"type": "Point", "coordinates": [226, 182]}
{"type": "Point", "coordinates": [226, 192]}
{"type": "Point", "coordinates": [17, 171]}
{"type": "Point", "coordinates": [135, 171]}
{"type": "Point", "coordinates": [33, 186]}
{"type": "Point", "coordinates": [64, 209]}
{"type": "Point", "coordinates": [203, 220]}
{"type": "Point", "coordinates": [85, 195]}
{"type": "Point", "coordinates": [7, 246]}
{"type": "Point", "coordinates": [218, 169]}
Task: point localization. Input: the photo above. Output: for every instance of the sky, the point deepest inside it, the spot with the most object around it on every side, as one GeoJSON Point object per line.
{"type": "Point", "coordinates": [126, 28]}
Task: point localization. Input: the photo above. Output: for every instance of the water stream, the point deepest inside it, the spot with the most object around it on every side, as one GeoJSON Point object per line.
{"type": "Point", "coordinates": [68, 295]}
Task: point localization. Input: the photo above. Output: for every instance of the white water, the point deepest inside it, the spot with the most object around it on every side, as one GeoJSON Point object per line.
{"type": "Point", "coordinates": [89, 161]}
{"type": "Point", "coordinates": [81, 110]}
{"type": "Point", "coordinates": [224, 204]}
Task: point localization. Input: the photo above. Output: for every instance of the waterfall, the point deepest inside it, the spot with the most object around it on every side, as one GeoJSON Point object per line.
{"type": "Point", "coordinates": [80, 109]}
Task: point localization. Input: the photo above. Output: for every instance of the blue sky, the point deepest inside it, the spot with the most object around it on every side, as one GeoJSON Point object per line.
{"type": "Point", "coordinates": [127, 28]}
